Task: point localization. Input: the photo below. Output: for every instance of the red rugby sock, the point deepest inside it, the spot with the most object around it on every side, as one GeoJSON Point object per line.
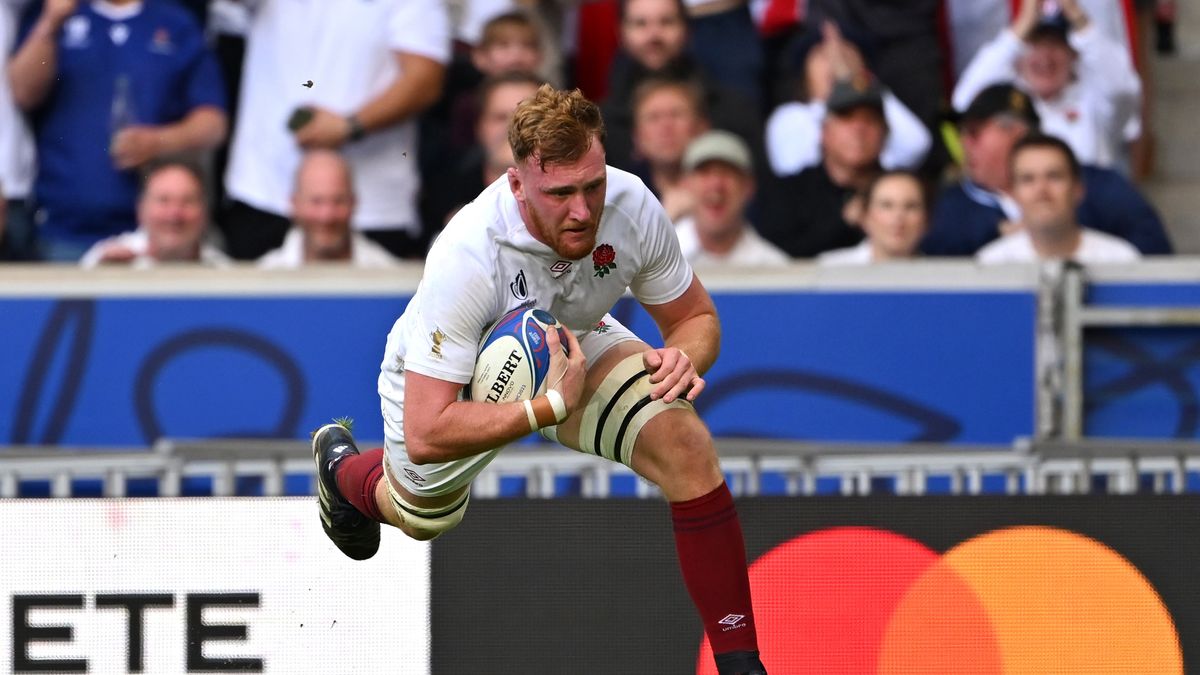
{"type": "Point", "coordinates": [712, 556]}
{"type": "Point", "coordinates": [357, 476]}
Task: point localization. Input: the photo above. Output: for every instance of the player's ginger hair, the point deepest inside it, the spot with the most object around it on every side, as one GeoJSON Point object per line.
{"type": "Point", "coordinates": [554, 127]}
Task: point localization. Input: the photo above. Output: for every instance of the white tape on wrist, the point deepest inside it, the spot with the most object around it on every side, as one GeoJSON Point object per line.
{"type": "Point", "coordinates": [558, 404]}
{"type": "Point", "coordinates": [533, 423]}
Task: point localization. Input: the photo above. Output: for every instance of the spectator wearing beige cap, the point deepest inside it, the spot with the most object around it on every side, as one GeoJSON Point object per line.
{"type": "Point", "coordinates": [719, 175]}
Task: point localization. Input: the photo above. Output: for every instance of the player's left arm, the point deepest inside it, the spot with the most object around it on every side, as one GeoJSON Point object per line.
{"type": "Point", "coordinates": [692, 339]}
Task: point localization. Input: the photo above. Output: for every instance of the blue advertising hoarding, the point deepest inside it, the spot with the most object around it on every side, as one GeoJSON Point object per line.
{"type": "Point", "coordinates": [865, 360]}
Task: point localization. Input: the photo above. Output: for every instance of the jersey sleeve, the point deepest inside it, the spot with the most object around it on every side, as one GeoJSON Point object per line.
{"type": "Point", "coordinates": [665, 273]}
{"type": "Point", "coordinates": [454, 306]}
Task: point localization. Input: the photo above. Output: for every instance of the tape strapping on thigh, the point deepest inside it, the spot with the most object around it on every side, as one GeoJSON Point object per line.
{"type": "Point", "coordinates": [428, 513]}
{"type": "Point", "coordinates": [438, 519]}
{"type": "Point", "coordinates": [620, 379]}
{"type": "Point", "coordinates": [619, 410]}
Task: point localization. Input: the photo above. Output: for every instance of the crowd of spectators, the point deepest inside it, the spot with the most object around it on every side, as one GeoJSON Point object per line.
{"type": "Point", "coordinates": [844, 131]}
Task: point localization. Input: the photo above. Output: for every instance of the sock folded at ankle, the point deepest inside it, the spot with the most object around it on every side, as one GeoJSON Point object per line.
{"type": "Point", "coordinates": [357, 476]}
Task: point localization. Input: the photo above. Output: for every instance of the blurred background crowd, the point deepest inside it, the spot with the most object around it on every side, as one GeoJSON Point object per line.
{"type": "Point", "coordinates": [287, 132]}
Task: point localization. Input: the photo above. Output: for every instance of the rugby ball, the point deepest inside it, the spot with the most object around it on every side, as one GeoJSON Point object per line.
{"type": "Point", "coordinates": [513, 359]}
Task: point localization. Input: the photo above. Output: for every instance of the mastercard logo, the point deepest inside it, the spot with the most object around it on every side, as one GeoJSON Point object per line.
{"type": "Point", "coordinates": [1015, 601]}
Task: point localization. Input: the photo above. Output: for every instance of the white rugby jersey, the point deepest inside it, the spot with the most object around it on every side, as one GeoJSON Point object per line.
{"type": "Point", "coordinates": [485, 263]}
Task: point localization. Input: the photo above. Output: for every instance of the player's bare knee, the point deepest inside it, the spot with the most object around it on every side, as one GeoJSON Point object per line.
{"type": "Point", "coordinates": [676, 443]}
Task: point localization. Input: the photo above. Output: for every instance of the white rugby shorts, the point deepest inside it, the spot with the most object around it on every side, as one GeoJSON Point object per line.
{"type": "Point", "coordinates": [432, 480]}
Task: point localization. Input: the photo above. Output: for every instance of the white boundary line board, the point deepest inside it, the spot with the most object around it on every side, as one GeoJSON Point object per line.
{"type": "Point", "coordinates": [304, 607]}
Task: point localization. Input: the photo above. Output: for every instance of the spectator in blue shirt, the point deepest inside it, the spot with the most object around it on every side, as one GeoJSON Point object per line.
{"type": "Point", "coordinates": [978, 208]}
{"type": "Point", "coordinates": [109, 86]}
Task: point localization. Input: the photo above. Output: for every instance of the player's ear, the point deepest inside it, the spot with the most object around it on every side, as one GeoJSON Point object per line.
{"type": "Point", "coordinates": [515, 184]}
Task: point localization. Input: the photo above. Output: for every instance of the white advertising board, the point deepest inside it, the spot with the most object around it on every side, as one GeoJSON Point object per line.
{"type": "Point", "coordinates": [203, 585]}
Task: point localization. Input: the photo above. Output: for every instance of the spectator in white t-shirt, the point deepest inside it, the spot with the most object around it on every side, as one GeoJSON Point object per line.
{"type": "Point", "coordinates": [719, 174]}
{"type": "Point", "coordinates": [1048, 187]}
{"type": "Point", "coordinates": [172, 224]}
{"type": "Point", "coordinates": [895, 217]}
{"type": "Point", "coordinates": [347, 76]}
{"type": "Point", "coordinates": [322, 207]}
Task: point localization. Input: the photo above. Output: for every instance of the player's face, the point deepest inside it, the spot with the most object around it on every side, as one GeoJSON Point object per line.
{"type": "Point", "coordinates": [1045, 189]}
{"type": "Point", "coordinates": [562, 204]}
{"type": "Point", "coordinates": [322, 207]}
{"type": "Point", "coordinates": [171, 210]}
{"type": "Point", "coordinates": [895, 216]}
{"type": "Point", "coordinates": [722, 192]}
{"type": "Point", "coordinates": [653, 32]}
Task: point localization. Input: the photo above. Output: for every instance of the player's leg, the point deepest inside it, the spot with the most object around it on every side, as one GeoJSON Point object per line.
{"type": "Point", "coordinates": [358, 491]}
{"type": "Point", "coordinates": [343, 477]}
{"type": "Point", "coordinates": [671, 447]}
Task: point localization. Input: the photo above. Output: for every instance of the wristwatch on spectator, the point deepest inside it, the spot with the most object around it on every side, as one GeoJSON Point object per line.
{"type": "Point", "coordinates": [357, 130]}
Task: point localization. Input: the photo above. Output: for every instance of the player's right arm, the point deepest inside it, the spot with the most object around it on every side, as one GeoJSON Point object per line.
{"type": "Point", "coordinates": [438, 427]}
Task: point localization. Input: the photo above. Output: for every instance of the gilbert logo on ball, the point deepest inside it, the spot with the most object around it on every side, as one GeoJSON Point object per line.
{"type": "Point", "coordinates": [513, 357]}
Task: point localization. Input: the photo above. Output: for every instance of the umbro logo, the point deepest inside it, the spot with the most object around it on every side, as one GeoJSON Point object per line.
{"type": "Point", "coordinates": [414, 475]}
{"type": "Point", "coordinates": [732, 622]}
{"type": "Point", "coordinates": [560, 268]}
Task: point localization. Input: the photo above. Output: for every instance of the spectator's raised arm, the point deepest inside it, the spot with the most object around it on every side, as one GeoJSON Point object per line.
{"type": "Point", "coordinates": [34, 65]}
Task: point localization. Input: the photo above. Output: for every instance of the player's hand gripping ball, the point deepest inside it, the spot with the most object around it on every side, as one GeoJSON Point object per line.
{"type": "Point", "coordinates": [513, 357]}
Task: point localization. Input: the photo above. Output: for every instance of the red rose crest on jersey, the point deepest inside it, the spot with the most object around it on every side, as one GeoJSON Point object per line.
{"type": "Point", "coordinates": [604, 260]}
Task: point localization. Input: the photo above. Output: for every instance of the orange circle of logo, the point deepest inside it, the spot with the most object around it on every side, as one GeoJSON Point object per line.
{"type": "Point", "coordinates": [1021, 600]}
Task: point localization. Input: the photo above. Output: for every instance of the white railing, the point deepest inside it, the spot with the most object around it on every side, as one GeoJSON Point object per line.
{"type": "Point", "coordinates": [790, 468]}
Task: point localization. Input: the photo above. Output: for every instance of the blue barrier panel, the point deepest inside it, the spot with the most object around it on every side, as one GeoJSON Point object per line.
{"type": "Point", "coordinates": [1142, 382]}
{"type": "Point", "coordinates": [127, 371]}
{"type": "Point", "coordinates": [870, 366]}
{"type": "Point", "coordinates": [800, 364]}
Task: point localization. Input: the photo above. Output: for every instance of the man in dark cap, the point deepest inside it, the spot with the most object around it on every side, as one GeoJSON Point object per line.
{"type": "Point", "coordinates": [979, 209]}
{"type": "Point", "coordinates": [817, 209]}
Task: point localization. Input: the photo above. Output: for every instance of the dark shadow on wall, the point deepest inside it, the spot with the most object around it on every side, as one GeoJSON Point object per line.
{"type": "Point", "coordinates": [935, 427]}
